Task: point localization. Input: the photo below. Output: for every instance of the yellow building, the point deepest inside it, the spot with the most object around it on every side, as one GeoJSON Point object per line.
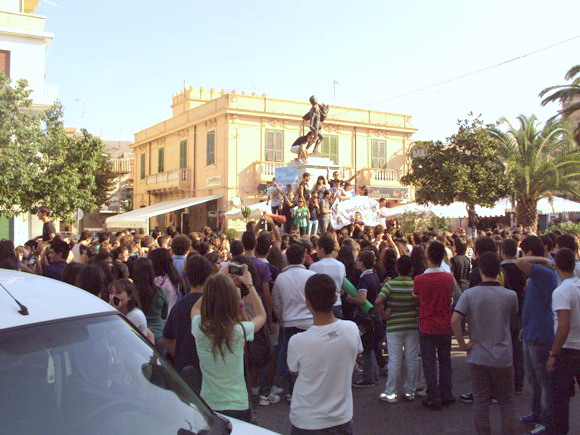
{"type": "Point", "coordinates": [223, 147]}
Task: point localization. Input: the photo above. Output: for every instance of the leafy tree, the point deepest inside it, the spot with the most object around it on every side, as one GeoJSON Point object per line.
{"type": "Point", "coordinates": [41, 164]}
{"type": "Point", "coordinates": [540, 161]}
{"type": "Point", "coordinates": [468, 168]}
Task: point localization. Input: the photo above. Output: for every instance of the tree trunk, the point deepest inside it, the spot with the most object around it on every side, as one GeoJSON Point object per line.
{"type": "Point", "coordinates": [526, 213]}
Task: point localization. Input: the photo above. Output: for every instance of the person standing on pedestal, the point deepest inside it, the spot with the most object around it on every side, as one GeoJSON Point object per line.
{"type": "Point", "coordinates": [303, 189]}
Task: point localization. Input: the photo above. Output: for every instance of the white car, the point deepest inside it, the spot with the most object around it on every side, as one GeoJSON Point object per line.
{"type": "Point", "coordinates": [72, 364]}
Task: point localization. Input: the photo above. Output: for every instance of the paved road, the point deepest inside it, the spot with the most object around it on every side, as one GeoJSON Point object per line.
{"type": "Point", "coordinates": [374, 417]}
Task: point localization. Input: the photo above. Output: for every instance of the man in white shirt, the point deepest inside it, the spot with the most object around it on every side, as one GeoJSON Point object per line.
{"type": "Point", "coordinates": [288, 299]}
{"type": "Point", "coordinates": [273, 197]}
{"type": "Point", "coordinates": [564, 359]}
{"type": "Point", "coordinates": [331, 267]}
{"type": "Point", "coordinates": [323, 358]}
{"type": "Point", "coordinates": [383, 211]}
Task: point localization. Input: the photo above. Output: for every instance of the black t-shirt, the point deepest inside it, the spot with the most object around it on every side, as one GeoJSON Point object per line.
{"type": "Point", "coordinates": [305, 190]}
{"type": "Point", "coordinates": [48, 229]}
{"type": "Point", "coordinates": [313, 212]}
{"type": "Point", "coordinates": [178, 327]}
{"type": "Point", "coordinates": [460, 267]}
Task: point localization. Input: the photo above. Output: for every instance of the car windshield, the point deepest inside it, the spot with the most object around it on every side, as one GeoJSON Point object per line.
{"type": "Point", "coordinates": [93, 375]}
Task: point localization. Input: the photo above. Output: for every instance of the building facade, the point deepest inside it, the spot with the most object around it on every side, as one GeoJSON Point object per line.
{"type": "Point", "coordinates": [23, 45]}
{"type": "Point", "coordinates": [229, 144]}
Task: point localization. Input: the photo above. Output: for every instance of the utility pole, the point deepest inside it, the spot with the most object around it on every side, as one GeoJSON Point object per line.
{"type": "Point", "coordinates": [334, 83]}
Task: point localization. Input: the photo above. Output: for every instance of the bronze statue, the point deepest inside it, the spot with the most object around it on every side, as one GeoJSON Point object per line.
{"type": "Point", "coordinates": [316, 115]}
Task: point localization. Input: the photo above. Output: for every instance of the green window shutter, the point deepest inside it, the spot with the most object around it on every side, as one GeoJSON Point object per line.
{"type": "Point", "coordinates": [333, 149]}
{"type": "Point", "coordinates": [142, 170]}
{"type": "Point", "coordinates": [183, 154]}
{"type": "Point", "coordinates": [5, 232]}
{"type": "Point", "coordinates": [269, 154]}
{"type": "Point", "coordinates": [279, 146]}
{"type": "Point", "coordinates": [161, 160]}
{"type": "Point", "coordinates": [274, 149]}
{"type": "Point", "coordinates": [210, 159]}
{"type": "Point", "coordinates": [378, 154]}
{"type": "Point", "coordinates": [329, 148]}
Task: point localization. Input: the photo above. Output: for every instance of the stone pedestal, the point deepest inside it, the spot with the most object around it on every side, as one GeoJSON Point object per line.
{"type": "Point", "coordinates": [316, 166]}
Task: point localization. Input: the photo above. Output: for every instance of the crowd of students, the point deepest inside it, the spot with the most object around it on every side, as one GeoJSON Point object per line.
{"type": "Point", "coordinates": [274, 314]}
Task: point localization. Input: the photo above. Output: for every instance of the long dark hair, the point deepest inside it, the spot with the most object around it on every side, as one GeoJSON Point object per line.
{"type": "Point", "coordinates": [346, 257]}
{"type": "Point", "coordinates": [163, 265]}
{"type": "Point", "coordinates": [8, 258]}
{"type": "Point", "coordinates": [418, 260]}
{"type": "Point", "coordinates": [144, 282]}
{"type": "Point", "coordinates": [388, 263]}
{"type": "Point", "coordinates": [276, 258]}
{"type": "Point", "coordinates": [92, 279]}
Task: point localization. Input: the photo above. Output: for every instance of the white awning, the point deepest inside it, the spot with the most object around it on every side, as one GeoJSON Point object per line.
{"type": "Point", "coordinates": [140, 218]}
{"type": "Point", "coordinates": [257, 210]}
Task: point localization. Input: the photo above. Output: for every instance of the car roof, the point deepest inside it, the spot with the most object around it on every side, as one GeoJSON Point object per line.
{"type": "Point", "coordinates": [46, 299]}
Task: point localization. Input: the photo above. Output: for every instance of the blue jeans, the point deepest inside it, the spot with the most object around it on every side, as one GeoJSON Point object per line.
{"type": "Point", "coordinates": [535, 357]}
{"type": "Point", "coordinates": [312, 227]}
{"type": "Point", "coordinates": [370, 367]}
{"type": "Point", "coordinates": [436, 348]}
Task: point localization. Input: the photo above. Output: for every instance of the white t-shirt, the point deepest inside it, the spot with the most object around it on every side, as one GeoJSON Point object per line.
{"type": "Point", "coordinates": [137, 318]}
{"type": "Point", "coordinates": [322, 395]}
{"type": "Point", "coordinates": [333, 268]}
{"type": "Point", "coordinates": [274, 196]}
{"type": "Point", "coordinates": [382, 212]}
{"type": "Point", "coordinates": [567, 297]}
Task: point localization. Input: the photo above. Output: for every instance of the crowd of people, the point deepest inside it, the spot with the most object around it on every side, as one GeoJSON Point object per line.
{"type": "Point", "coordinates": [305, 313]}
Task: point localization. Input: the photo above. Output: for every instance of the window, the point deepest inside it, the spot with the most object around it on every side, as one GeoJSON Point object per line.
{"type": "Point", "coordinates": [210, 159]}
{"type": "Point", "coordinates": [329, 148]}
{"type": "Point", "coordinates": [183, 154]}
{"type": "Point", "coordinates": [161, 160]}
{"type": "Point", "coordinates": [275, 145]}
{"type": "Point", "coordinates": [5, 62]}
{"type": "Point", "coordinates": [142, 169]}
{"type": "Point", "coordinates": [378, 154]}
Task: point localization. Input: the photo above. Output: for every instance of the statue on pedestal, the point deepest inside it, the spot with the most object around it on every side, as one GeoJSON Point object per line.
{"type": "Point", "coordinates": [316, 115]}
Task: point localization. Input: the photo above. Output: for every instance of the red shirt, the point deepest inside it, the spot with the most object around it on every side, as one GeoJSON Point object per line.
{"type": "Point", "coordinates": [435, 291]}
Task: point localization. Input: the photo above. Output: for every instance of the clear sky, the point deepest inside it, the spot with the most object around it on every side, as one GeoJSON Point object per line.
{"type": "Point", "coordinates": [124, 58]}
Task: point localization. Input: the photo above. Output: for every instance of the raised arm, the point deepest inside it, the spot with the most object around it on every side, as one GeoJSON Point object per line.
{"type": "Point", "coordinates": [525, 263]}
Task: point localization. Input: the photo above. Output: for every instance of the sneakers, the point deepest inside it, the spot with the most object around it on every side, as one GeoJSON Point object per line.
{"type": "Point", "coordinates": [364, 384]}
{"type": "Point", "coordinates": [268, 400]}
{"type": "Point", "coordinates": [409, 397]}
{"type": "Point", "coordinates": [529, 419]}
{"type": "Point", "coordinates": [277, 390]}
{"type": "Point", "coordinates": [466, 397]}
{"type": "Point", "coordinates": [391, 398]}
{"type": "Point", "coordinates": [538, 429]}
{"type": "Point", "coordinates": [421, 392]}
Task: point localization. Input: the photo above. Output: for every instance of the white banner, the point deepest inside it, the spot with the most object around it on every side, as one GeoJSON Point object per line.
{"type": "Point", "coordinates": [344, 213]}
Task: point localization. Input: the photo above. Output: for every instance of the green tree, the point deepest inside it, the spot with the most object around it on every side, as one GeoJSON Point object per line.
{"type": "Point", "coordinates": [468, 168]}
{"type": "Point", "coordinates": [567, 95]}
{"type": "Point", "coordinates": [41, 164]}
{"type": "Point", "coordinates": [540, 161]}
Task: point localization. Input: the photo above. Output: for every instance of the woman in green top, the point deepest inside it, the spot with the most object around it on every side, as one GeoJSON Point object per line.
{"type": "Point", "coordinates": [153, 299]}
{"type": "Point", "coordinates": [220, 334]}
{"type": "Point", "coordinates": [301, 216]}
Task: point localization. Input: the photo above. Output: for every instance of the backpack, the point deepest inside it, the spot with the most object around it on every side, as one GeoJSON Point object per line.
{"type": "Point", "coordinates": [259, 352]}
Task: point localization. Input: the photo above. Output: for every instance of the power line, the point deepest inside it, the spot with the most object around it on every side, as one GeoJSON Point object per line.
{"type": "Point", "coordinates": [461, 76]}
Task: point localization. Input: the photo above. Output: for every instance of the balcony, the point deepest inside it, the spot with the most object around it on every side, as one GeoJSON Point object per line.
{"type": "Point", "coordinates": [265, 171]}
{"type": "Point", "coordinates": [379, 177]}
{"type": "Point", "coordinates": [179, 179]}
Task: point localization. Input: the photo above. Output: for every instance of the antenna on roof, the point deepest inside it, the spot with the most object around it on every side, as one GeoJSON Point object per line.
{"type": "Point", "coordinates": [23, 310]}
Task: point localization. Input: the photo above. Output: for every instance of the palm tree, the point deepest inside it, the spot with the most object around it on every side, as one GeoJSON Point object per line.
{"type": "Point", "coordinates": [540, 161]}
{"type": "Point", "coordinates": [568, 95]}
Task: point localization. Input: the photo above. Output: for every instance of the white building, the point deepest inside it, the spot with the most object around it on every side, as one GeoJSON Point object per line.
{"type": "Point", "coordinates": [23, 45]}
